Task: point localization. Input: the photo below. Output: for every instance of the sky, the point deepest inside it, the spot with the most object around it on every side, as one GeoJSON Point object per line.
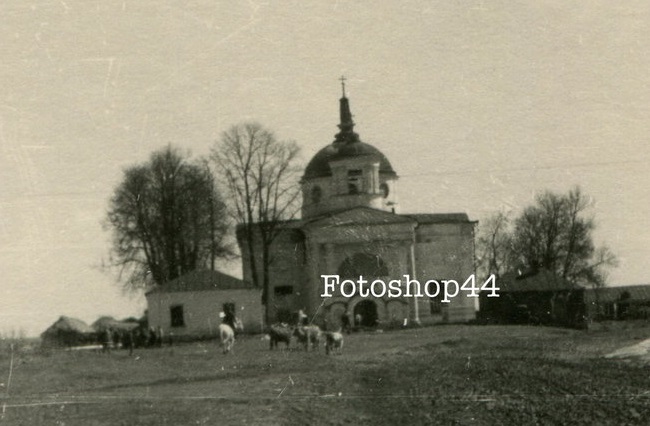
{"type": "Point", "coordinates": [479, 106]}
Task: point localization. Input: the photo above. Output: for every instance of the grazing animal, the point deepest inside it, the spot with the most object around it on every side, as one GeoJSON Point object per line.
{"type": "Point", "coordinates": [279, 333]}
{"type": "Point", "coordinates": [333, 342]}
{"type": "Point", "coordinates": [308, 334]}
{"type": "Point", "coordinates": [227, 335]}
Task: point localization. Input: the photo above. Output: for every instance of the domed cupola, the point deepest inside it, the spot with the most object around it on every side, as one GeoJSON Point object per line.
{"type": "Point", "coordinates": [347, 173]}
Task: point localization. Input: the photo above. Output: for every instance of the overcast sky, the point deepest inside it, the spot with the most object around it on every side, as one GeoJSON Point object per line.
{"type": "Point", "coordinates": [478, 106]}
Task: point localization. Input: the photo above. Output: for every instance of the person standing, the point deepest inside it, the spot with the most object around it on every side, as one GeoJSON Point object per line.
{"type": "Point", "coordinates": [152, 337]}
{"type": "Point", "coordinates": [107, 340]}
{"type": "Point", "coordinates": [129, 341]}
{"type": "Point", "coordinates": [229, 318]}
{"type": "Point", "coordinates": [345, 323]}
{"type": "Point", "coordinates": [302, 317]}
{"type": "Point", "coordinates": [160, 337]}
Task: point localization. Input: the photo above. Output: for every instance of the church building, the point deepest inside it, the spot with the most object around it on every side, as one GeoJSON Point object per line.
{"type": "Point", "coordinates": [351, 226]}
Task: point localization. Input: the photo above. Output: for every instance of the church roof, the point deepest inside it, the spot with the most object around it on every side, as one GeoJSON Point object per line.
{"type": "Point", "coordinates": [319, 164]}
{"type": "Point", "coordinates": [202, 280]}
{"type": "Point", "coordinates": [426, 218]}
{"type": "Point", "coordinates": [361, 215]}
{"type": "Point", "coordinates": [346, 145]}
{"type": "Point", "coordinates": [364, 215]}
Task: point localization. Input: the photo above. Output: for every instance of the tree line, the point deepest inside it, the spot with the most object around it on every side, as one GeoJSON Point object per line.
{"type": "Point", "coordinates": [554, 233]}
{"type": "Point", "coordinates": [172, 214]}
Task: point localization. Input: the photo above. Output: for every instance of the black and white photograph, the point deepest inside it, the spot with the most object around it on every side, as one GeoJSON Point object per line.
{"type": "Point", "coordinates": [324, 212]}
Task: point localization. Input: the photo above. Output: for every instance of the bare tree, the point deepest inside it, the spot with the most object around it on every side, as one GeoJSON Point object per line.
{"type": "Point", "coordinates": [556, 234]}
{"type": "Point", "coordinates": [167, 219]}
{"type": "Point", "coordinates": [494, 245]}
{"type": "Point", "coordinates": [261, 181]}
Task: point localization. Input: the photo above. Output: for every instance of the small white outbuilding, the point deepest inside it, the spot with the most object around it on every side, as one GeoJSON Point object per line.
{"type": "Point", "coordinates": [189, 306]}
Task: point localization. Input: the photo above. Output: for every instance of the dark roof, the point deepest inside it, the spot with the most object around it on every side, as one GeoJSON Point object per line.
{"type": "Point", "coordinates": [377, 216]}
{"type": "Point", "coordinates": [105, 322]}
{"type": "Point", "coordinates": [346, 145]}
{"type": "Point", "coordinates": [425, 218]}
{"type": "Point", "coordinates": [319, 164]}
{"type": "Point", "coordinates": [542, 280]}
{"type": "Point", "coordinates": [202, 280]}
{"type": "Point", "coordinates": [69, 324]}
{"type": "Point", "coordinates": [360, 215]}
{"type": "Point", "coordinates": [612, 294]}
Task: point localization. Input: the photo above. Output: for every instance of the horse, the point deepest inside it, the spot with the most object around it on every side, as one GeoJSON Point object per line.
{"type": "Point", "coordinates": [227, 335]}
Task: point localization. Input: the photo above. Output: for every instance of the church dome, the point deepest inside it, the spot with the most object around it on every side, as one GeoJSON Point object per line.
{"type": "Point", "coordinates": [346, 145]}
{"type": "Point", "coordinates": [319, 164]}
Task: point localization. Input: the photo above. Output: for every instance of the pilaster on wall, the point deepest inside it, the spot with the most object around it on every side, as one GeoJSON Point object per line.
{"type": "Point", "coordinates": [414, 306]}
{"type": "Point", "coordinates": [328, 268]}
{"type": "Point", "coordinates": [328, 254]}
{"type": "Point", "coordinates": [312, 289]}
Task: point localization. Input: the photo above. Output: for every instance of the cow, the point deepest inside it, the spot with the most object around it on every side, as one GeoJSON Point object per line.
{"type": "Point", "coordinates": [333, 342]}
{"type": "Point", "coordinates": [279, 333]}
{"type": "Point", "coordinates": [308, 334]}
{"type": "Point", "coordinates": [227, 335]}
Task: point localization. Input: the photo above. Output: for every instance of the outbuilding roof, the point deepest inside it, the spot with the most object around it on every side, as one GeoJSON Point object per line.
{"type": "Point", "coordinates": [202, 280]}
{"type": "Point", "coordinates": [69, 324]}
{"type": "Point", "coordinates": [105, 322]}
{"type": "Point", "coordinates": [541, 280]}
{"type": "Point", "coordinates": [632, 293]}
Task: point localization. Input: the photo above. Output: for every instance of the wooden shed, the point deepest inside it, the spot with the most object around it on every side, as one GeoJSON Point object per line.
{"type": "Point", "coordinates": [534, 297]}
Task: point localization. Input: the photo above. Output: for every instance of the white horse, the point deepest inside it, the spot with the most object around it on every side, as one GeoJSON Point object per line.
{"type": "Point", "coordinates": [227, 335]}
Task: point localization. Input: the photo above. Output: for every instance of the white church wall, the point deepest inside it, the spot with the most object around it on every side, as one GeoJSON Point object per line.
{"type": "Point", "coordinates": [446, 252]}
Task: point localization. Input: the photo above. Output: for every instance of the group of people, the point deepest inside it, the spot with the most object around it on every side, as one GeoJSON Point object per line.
{"type": "Point", "coordinates": [147, 337]}
{"type": "Point", "coordinates": [346, 325]}
{"type": "Point", "coordinates": [139, 337]}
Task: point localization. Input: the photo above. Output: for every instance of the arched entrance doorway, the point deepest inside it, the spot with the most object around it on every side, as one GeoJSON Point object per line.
{"type": "Point", "coordinates": [365, 314]}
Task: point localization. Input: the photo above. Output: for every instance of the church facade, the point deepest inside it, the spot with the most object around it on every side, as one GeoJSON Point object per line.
{"type": "Point", "coordinates": [351, 227]}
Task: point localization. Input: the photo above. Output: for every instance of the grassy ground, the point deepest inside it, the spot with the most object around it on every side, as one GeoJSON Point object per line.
{"type": "Point", "coordinates": [437, 375]}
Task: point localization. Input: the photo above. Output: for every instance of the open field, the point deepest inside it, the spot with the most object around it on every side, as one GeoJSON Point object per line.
{"type": "Point", "coordinates": [436, 375]}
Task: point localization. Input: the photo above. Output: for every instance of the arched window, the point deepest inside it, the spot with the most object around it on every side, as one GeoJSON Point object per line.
{"type": "Point", "coordinates": [363, 264]}
{"type": "Point", "coordinates": [384, 190]}
{"type": "Point", "coordinates": [355, 181]}
{"type": "Point", "coordinates": [316, 194]}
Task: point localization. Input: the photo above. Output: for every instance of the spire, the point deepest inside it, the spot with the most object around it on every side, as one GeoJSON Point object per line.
{"type": "Point", "coordinates": [346, 135]}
